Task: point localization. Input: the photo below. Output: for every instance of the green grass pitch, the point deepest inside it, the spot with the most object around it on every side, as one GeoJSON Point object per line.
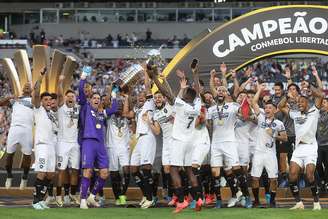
{"type": "Point", "coordinates": [159, 213]}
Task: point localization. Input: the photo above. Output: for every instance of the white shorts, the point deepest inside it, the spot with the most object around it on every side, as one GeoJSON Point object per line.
{"type": "Point", "coordinates": [263, 160]}
{"type": "Point", "coordinates": [144, 151]}
{"type": "Point", "coordinates": [45, 158]}
{"type": "Point", "coordinates": [20, 135]}
{"type": "Point", "coordinates": [305, 154]}
{"type": "Point", "coordinates": [181, 153]}
{"type": "Point", "coordinates": [243, 153]}
{"type": "Point", "coordinates": [119, 156]}
{"type": "Point", "coordinates": [166, 161]}
{"type": "Point", "coordinates": [68, 155]}
{"type": "Point", "coordinates": [199, 153]}
{"type": "Point", "coordinates": [224, 153]}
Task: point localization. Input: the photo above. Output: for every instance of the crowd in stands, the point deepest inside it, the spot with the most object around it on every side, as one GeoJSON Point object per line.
{"type": "Point", "coordinates": [124, 40]}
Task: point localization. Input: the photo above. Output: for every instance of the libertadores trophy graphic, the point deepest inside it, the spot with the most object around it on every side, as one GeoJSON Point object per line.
{"type": "Point", "coordinates": [20, 72]}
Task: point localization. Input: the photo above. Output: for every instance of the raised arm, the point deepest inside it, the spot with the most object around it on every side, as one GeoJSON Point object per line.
{"type": "Point", "coordinates": [256, 98]}
{"type": "Point", "coordinates": [126, 108]}
{"type": "Point", "coordinates": [235, 84]}
{"type": "Point", "coordinates": [60, 91]}
{"type": "Point", "coordinates": [223, 69]}
{"type": "Point", "coordinates": [317, 78]}
{"type": "Point", "coordinates": [113, 108]}
{"type": "Point", "coordinates": [318, 96]}
{"type": "Point", "coordinates": [164, 87]}
{"type": "Point", "coordinates": [212, 83]}
{"type": "Point", "coordinates": [243, 85]}
{"type": "Point", "coordinates": [183, 86]}
{"type": "Point", "coordinates": [288, 75]}
{"type": "Point", "coordinates": [147, 82]}
{"type": "Point", "coordinates": [82, 96]}
{"type": "Point", "coordinates": [195, 75]}
{"type": "Point", "coordinates": [36, 93]}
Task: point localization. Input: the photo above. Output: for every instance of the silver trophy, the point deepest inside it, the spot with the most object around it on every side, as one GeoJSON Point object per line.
{"type": "Point", "coordinates": [129, 75]}
{"type": "Point", "coordinates": [132, 73]}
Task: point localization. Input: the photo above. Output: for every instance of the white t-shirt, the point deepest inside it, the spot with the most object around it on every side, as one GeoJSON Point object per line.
{"type": "Point", "coordinates": [185, 117]}
{"type": "Point", "coordinates": [22, 114]}
{"type": "Point", "coordinates": [165, 119]}
{"type": "Point", "coordinates": [46, 126]}
{"type": "Point", "coordinates": [142, 126]}
{"type": "Point", "coordinates": [118, 132]}
{"type": "Point", "coordinates": [305, 125]}
{"type": "Point", "coordinates": [224, 119]}
{"type": "Point", "coordinates": [68, 121]}
{"type": "Point", "coordinates": [265, 142]}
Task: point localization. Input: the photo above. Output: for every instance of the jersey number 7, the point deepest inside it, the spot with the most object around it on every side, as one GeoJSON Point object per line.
{"type": "Point", "coordinates": [191, 120]}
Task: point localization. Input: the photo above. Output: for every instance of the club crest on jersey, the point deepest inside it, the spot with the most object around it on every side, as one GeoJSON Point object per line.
{"type": "Point", "coordinates": [42, 160]}
{"type": "Point", "coordinates": [225, 107]}
{"type": "Point", "coordinates": [165, 110]}
{"type": "Point", "coordinates": [60, 158]}
{"type": "Point", "coordinates": [300, 120]}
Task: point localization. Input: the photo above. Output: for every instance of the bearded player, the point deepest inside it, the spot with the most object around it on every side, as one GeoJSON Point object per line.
{"type": "Point", "coordinates": [221, 121]}
{"type": "Point", "coordinates": [68, 149]}
{"type": "Point", "coordinates": [163, 123]}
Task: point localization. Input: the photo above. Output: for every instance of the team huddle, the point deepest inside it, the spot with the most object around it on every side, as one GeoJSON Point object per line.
{"type": "Point", "coordinates": [225, 133]}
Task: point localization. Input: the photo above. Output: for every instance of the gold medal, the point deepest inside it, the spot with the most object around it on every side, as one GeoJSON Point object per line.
{"type": "Point", "coordinates": [220, 122]}
{"type": "Point", "coordinates": [98, 126]}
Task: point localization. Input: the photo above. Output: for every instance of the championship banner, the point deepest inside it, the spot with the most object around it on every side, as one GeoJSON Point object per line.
{"type": "Point", "coordinates": [261, 33]}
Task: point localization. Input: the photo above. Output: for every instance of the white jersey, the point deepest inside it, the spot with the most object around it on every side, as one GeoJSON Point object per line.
{"type": "Point", "coordinates": [305, 125]}
{"type": "Point", "coordinates": [265, 142]}
{"type": "Point", "coordinates": [118, 132]}
{"type": "Point", "coordinates": [68, 121]}
{"type": "Point", "coordinates": [165, 119]}
{"type": "Point", "coordinates": [201, 135]}
{"type": "Point", "coordinates": [142, 126]}
{"type": "Point", "coordinates": [22, 114]}
{"type": "Point", "coordinates": [224, 119]}
{"type": "Point", "coordinates": [46, 126]}
{"type": "Point", "coordinates": [243, 130]}
{"type": "Point", "coordinates": [185, 117]}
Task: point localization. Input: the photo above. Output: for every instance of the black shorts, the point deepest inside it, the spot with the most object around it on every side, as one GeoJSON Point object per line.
{"type": "Point", "coordinates": [286, 147]}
